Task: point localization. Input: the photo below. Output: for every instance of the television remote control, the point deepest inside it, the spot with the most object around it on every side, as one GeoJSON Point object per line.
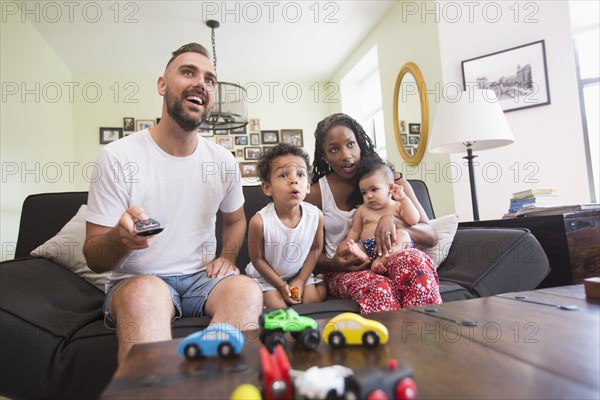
{"type": "Point", "coordinates": [148, 227]}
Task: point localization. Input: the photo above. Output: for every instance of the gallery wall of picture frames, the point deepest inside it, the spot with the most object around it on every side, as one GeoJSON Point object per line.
{"type": "Point", "coordinates": [245, 143]}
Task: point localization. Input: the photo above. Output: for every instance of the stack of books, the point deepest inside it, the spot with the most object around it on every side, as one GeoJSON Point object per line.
{"type": "Point", "coordinates": [532, 198]}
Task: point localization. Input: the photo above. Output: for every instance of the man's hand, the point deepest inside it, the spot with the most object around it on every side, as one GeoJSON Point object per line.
{"type": "Point", "coordinates": [220, 267]}
{"type": "Point", "coordinates": [126, 229]}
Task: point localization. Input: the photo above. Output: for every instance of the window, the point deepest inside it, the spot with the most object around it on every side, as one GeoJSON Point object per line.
{"type": "Point", "coordinates": [361, 98]}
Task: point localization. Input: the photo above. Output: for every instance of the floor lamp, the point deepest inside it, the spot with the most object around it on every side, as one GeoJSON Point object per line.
{"type": "Point", "coordinates": [474, 121]}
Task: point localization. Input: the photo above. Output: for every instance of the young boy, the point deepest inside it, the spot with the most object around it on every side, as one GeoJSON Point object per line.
{"type": "Point", "coordinates": [285, 238]}
{"type": "Point", "coordinates": [378, 190]}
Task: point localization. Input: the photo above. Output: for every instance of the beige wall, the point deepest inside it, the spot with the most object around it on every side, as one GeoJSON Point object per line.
{"type": "Point", "coordinates": [36, 128]}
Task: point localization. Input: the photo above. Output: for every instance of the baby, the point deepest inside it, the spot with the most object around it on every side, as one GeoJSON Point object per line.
{"type": "Point", "coordinates": [377, 187]}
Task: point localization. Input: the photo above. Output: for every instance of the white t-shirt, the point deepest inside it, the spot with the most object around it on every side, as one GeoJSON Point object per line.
{"type": "Point", "coordinates": [182, 193]}
{"type": "Point", "coordinates": [286, 248]}
{"type": "Point", "coordinates": [336, 222]}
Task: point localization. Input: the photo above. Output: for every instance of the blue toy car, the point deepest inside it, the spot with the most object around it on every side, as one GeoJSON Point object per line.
{"type": "Point", "coordinates": [219, 339]}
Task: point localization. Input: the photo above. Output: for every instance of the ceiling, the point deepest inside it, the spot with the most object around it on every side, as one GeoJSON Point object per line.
{"type": "Point", "coordinates": [257, 40]}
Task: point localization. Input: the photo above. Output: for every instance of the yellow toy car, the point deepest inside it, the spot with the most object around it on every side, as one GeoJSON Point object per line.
{"type": "Point", "coordinates": [349, 328]}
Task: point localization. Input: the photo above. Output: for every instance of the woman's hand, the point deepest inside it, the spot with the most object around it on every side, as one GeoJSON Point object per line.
{"type": "Point", "coordinates": [385, 234]}
{"type": "Point", "coordinates": [348, 262]}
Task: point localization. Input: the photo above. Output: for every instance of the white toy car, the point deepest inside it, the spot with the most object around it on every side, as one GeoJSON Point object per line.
{"type": "Point", "coordinates": [321, 383]}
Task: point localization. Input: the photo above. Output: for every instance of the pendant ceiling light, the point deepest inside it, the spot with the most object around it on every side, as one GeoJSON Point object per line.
{"type": "Point", "coordinates": [229, 110]}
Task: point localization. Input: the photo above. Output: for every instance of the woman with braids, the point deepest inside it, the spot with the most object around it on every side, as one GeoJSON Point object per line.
{"type": "Point", "coordinates": [411, 279]}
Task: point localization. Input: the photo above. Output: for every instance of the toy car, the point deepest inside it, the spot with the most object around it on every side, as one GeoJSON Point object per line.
{"type": "Point", "coordinates": [275, 373]}
{"type": "Point", "coordinates": [349, 328]}
{"type": "Point", "coordinates": [219, 339]}
{"type": "Point", "coordinates": [321, 383]}
{"type": "Point", "coordinates": [372, 383]}
{"type": "Point", "coordinates": [275, 323]}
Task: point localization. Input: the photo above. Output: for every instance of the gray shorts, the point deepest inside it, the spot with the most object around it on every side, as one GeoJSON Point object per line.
{"type": "Point", "coordinates": [188, 292]}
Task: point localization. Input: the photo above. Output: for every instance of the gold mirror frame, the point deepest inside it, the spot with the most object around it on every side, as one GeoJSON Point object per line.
{"type": "Point", "coordinates": [416, 73]}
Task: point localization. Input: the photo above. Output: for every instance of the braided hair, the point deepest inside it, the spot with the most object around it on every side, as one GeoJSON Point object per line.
{"type": "Point", "coordinates": [320, 167]}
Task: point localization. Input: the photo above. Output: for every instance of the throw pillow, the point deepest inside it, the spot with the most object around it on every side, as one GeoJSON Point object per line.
{"type": "Point", "coordinates": [445, 227]}
{"type": "Point", "coordinates": [66, 249]}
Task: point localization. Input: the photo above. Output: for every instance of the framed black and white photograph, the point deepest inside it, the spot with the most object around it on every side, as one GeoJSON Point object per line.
{"type": "Point", "coordinates": [226, 142]}
{"type": "Point", "coordinates": [254, 139]}
{"type": "Point", "coordinates": [241, 140]}
{"type": "Point", "coordinates": [128, 124]}
{"type": "Point", "coordinates": [239, 131]}
{"type": "Point", "coordinates": [141, 124]}
{"type": "Point", "coordinates": [108, 135]}
{"type": "Point", "coordinates": [205, 132]}
{"type": "Point", "coordinates": [413, 140]}
{"type": "Point", "coordinates": [518, 76]}
{"type": "Point", "coordinates": [414, 129]}
{"type": "Point", "coordinates": [270, 137]}
{"type": "Point", "coordinates": [254, 125]}
{"type": "Point", "coordinates": [292, 136]}
{"type": "Point", "coordinates": [252, 153]}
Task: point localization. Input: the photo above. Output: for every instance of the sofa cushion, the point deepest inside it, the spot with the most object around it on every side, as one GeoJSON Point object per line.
{"type": "Point", "coordinates": [66, 249]}
{"type": "Point", "coordinates": [445, 228]}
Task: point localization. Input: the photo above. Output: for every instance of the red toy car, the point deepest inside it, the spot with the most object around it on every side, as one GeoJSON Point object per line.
{"type": "Point", "coordinates": [277, 381]}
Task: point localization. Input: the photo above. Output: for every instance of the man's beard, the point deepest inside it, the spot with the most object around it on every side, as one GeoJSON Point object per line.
{"type": "Point", "coordinates": [176, 112]}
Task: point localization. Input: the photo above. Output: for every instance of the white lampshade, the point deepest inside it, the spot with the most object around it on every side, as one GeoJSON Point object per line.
{"type": "Point", "coordinates": [475, 118]}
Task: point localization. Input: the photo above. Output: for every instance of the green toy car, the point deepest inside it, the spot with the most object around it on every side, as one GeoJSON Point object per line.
{"type": "Point", "coordinates": [274, 325]}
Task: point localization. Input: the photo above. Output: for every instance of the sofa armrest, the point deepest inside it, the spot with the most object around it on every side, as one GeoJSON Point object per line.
{"type": "Point", "coordinates": [490, 261]}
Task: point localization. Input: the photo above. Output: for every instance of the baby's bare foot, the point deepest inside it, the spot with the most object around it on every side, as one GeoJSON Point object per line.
{"type": "Point", "coordinates": [357, 251]}
{"type": "Point", "coordinates": [378, 268]}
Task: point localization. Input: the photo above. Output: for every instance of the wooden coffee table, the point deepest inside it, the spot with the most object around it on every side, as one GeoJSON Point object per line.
{"type": "Point", "coordinates": [517, 349]}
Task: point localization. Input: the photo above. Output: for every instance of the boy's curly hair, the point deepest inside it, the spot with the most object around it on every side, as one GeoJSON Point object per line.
{"type": "Point", "coordinates": [368, 166]}
{"type": "Point", "coordinates": [320, 167]}
{"type": "Point", "coordinates": [263, 168]}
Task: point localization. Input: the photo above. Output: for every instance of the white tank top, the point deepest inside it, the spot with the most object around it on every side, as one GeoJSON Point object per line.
{"type": "Point", "coordinates": [337, 223]}
{"type": "Point", "coordinates": [286, 248]}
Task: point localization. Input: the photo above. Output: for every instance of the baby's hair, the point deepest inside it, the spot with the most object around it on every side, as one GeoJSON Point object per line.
{"type": "Point", "coordinates": [369, 166]}
{"type": "Point", "coordinates": [320, 167]}
{"type": "Point", "coordinates": [263, 168]}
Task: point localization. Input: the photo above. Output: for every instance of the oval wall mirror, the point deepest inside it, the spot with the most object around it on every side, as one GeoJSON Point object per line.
{"type": "Point", "coordinates": [411, 113]}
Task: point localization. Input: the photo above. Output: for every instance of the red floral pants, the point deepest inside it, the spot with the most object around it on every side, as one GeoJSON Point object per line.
{"type": "Point", "coordinates": [410, 280]}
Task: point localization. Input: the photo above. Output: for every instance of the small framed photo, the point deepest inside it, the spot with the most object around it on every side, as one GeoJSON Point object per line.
{"type": "Point", "coordinates": [128, 124]}
{"type": "Point", "coordinates": [413, 140]}
{"type": "Point", "coordinates": [141, 124]}
{"type": "Point", "coordinates": [292, 136]}
{"type": "Point", "coordinates": [409, 150]}
{"type": "Point", "coordinates": [248, 169]}
{"type": "Point", "coordinates": [254, 139]}
{"type": "Point", "coordinates": [239, 153]}
{"type": "Point", "coordinates": [414, 129]}
{"type": "Point", "coordinates": [241, 140]}
{"type": "Point", "coordinates": [108, 135]}
{"type": "Point", "coordinates": [254, 125]}
{"type": "Point", "coordinates": [252, 153]}
{"type": "Point", "coordinates": [226, 142]}
{"type": "Point", "coordinates": [404, 138]}
{"type": "Point", "coordinates": [239, 131]}
{"type": "Point", "coordinates": [518, 76]}
{"type": "Point", "coordinates": [221, 131]}
{"type": "Point", "coordinates": [402, 125]}
{"type": "Point", "coordinates": [270, 137]}
{"type": "Point", "coordinates": [205, 132]}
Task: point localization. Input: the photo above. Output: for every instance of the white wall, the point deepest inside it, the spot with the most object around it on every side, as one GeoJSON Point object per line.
{"type": "Point", "coordinates": [401, 37]}
{"type": "Point", "coordinates": [36, 124]}
{"type": "Point", "coordinates": [549, 148]}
